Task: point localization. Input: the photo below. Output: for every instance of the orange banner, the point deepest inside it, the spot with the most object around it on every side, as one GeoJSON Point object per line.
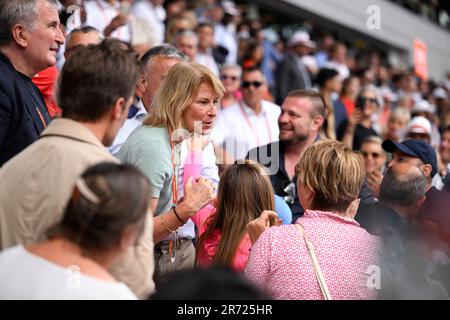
{"type": "Point", "coordinates": [420, 59]}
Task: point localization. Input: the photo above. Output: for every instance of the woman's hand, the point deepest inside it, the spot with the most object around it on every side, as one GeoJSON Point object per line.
{"type": "Point", "coordinates": [256, 227]}
{"type": "Point", "coordinates": [196, 195]}
{"type": "Point", "coordinates": [374, 181]}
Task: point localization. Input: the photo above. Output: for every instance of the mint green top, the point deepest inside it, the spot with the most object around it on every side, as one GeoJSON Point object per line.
{"type": "Point", "coordinates": [148, 149]}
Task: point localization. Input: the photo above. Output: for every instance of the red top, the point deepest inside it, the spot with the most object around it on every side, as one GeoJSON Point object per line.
{"type": "Point", "coordinates": [210, 245]}
{"type": "Point", "coordinates": [45, 80]}
{"type": "Point", "coordinates": [349, 105]}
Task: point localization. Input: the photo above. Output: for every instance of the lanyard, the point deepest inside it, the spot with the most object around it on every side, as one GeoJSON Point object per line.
{"type": "Point", "coordinates": [249, 123]}
{"type": "Point", "coordinates": [42, 118]}
{"type": "Point", "coordinates": [174, 176]}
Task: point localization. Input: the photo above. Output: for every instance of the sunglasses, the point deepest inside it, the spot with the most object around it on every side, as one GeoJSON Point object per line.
{"type": "Point", "coordinates": [372, 154]}
{"type": "Point", "coordinates": [247, 84]}
{"type": "Point", "coordinates": [371, 100]}
{"type": "Point", "coordinates": [225, 77]}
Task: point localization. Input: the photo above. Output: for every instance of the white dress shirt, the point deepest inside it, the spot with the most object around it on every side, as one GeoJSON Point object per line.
{"type": "Point", "coordinates": [207, 60]}
{"type": "Point", "coordinates": [100, 13]}
{"type": "Point", "coordinates": [238, 133]}
{"type": "Point", "coordinates": [128, 126]}
{"type": "Point", "coordinates": [154, 15]}
{"type": "Point", "coordinates": [226, 38]}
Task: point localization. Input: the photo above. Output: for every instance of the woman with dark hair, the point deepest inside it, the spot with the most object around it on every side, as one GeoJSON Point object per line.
{"type": "Point", "coordinates": [104, 217]}
{"type": "Point", "coordinates": [329, 84]}
{"type": "Point", "coordinates": [361, 124]}
{"type": "Point", "coordinates": [349, 92]}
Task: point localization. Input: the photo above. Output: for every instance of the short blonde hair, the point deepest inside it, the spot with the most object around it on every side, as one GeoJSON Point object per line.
{"type": "Point", "coordinates": [177, 92]}
{"type": "Point", "coordinates": [334, 172]}
{"type": "Point", "coordinates": [400, 113]}
{"type": "Point", "coordinates": [372, 139]}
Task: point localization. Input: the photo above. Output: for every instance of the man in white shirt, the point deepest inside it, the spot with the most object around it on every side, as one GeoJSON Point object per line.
{"type": "Point", "coordinates": [204, 55]}
{"type": "Point", "coordinates": [223, 36]}
{"type": "Point", "coordinates": [338, 60]}
{"type": "Point", "coordinates": [155, 64]}
{"type": "Point", "coordinates": [187, 42]}
{"type": "Point", "coordinates": [106, 16]}
{"type": "Point", "coordinates": [154, 13]}
{"type": "Point", "coordinates": [251, 123]}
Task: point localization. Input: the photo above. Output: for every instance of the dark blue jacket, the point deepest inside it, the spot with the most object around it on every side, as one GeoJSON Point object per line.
{"type": "Point", "coordinates": [23, 114]}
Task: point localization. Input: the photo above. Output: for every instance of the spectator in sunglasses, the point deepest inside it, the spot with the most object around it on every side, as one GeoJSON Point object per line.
{"type": "Point", "coordinates": [250, 123]}
{"type": "Point", "coordinates": [230, 75]}
{"type": "Point", "coordinates": [361, 124]}
{"type": "Point", "coordinates": [374, 159]}
{"type": "Point", "coordinates": [373, 154]}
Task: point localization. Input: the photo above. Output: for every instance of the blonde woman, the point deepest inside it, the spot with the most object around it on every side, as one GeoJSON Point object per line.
{"type": "Point", "coordinates": [330, 176]}
{"type": "Point", "coordinates": [375, 161]}
{"type": "Point", "coordinates": [374, 156]}
{"type": "Point", "coordinates": [188, 98]}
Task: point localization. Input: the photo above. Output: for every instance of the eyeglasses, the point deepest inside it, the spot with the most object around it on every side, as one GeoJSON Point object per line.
{"type": "Point", "coordinates": [247, 84]}
{"type": "Point", "coordinates": [372, 154]}
{"type": "Point", "coordinates": [226, 77]}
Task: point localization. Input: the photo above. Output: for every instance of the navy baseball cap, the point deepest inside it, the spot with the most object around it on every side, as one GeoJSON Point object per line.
{"type": "Point", "coordinates": [414, 148]}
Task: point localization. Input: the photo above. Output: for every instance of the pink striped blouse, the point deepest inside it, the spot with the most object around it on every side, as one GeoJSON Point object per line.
{"type": "Point", "coordinates": [280, 264]}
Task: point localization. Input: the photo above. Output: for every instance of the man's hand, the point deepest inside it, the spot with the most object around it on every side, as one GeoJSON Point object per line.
{"type": "Point", "coordinates": [116, 23]}
{"type": "Point", "coordinates": [256, 227]}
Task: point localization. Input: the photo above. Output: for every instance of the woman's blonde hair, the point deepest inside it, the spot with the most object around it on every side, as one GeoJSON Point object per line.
{"type": "Point", "coordinates": [334, 172]}
{"type": "Point", "coordinates": [245, 191]}
{"type": "Point", "coordinates": [178, 91]}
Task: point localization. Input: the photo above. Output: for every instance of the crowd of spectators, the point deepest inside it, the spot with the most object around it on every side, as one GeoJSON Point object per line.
{"type": "Point", "coordinates": [293, 158]}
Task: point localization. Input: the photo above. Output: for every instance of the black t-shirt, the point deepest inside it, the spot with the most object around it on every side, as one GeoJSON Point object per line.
{"type": "Point", "coordinates": [272, 157]}
{"type": "Point", "coordinates": [23, 113]}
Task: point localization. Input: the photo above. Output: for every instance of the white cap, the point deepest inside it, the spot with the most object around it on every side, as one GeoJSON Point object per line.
{"type": "Point", "coordinates": [301, 37]}
{"type": "Point", "coordinates": [439, 93]}
{"type": "Point", "coordinates": [230, 8]}
{"type": "Point", "coordinates": [419, 125]}
{"type": "Point", "coordinates": [423, 106]}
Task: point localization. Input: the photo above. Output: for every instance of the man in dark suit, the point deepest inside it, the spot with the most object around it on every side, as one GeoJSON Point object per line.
{"type": "Point", "coordinates": [292, 73]}
{"type": "Point", "coordinates": [29, 40]}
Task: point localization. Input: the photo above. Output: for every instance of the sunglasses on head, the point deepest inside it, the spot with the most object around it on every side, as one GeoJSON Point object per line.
{"type": "Point", "coordinates": [371, 100]}
{"type": "Point", "coordinates": [247, 84]}
{"type": "Point", "coordinates": [226, 77]}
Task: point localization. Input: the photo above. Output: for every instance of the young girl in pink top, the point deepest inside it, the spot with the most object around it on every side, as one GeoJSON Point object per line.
{"type": "Point", "coordinates": [244, 193]}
